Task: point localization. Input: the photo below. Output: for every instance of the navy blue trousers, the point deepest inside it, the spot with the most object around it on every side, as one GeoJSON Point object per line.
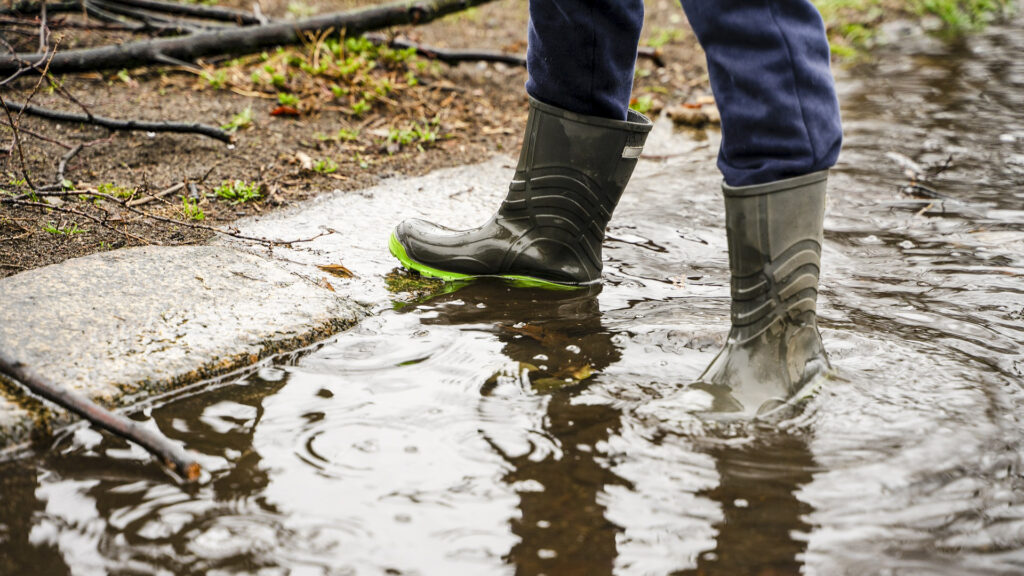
{"type": "Point", "coordinates": [768, 61]}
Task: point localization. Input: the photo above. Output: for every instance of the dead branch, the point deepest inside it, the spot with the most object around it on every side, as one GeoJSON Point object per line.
{"type": "Point", "coordinates": [28, 132]}
{"type": "Point", "coordinates": [25, 200]}
{"type": "Point", "coordinates": [193, 10]}
{"type": "Point", "coordinates": [25, 232]}
{"type": "Point", "coordinates": [20, 201]}
{"type": "Point", "coordinates": [457, 56]}
{"type": "Point", "coordinates": [449, 56]}
{"type": "Point", "coordinates": [17, 141]}
{"type": "Point", "coordinates": [63, 164]}
{"type": "Point", "coordinates": [44, 31]}
{"type": "Point", "coordinates": [60, 23]}
{"type": "Point", "coordinates": [160, 194]}
{"type": "Point", "coordinates": [242, 40]}
{"type": "Point", "coordinates": [162, 24]}
{"type": "Point", "coordinates": [18, 8]}
{"type": "Point", "coordinates": [120, 125]}
{"type": "Point", "coordinates": [171, 454]}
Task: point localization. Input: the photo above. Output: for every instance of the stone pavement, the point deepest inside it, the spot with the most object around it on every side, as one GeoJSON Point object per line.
{"type": "Point", "coordinates": [126, 325]}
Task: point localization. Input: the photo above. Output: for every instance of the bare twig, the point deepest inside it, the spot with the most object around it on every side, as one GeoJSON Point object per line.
{"type": "Point", "coordinates": [152, 21]}
{"type": "Point", "coordinates": [17, 141]}
{"type": "Point", "coordinates": [243, 40]}
{"type": "Point", "coordinates": [25, 200]}
{"type": "Point", "coordinates": [67, 210]}
{"type": "Point", "coordinates": [104, 16]}
{"type": "Point", "coordinates": [44, 32]}
{"type": "Point", "coordinates": [456, 56]}
{"type": "Point", "coordinates": [160, 194]}
{"type": "Point", "coordinates": [195, 11]}
{"type": "Point", "coordinates": [449, 56]}
{"type": "Point", "coordinates": [24, 130]}
{"type": "Point", "coordinates": [24, 232]}
{"type": "Point", "coordinates": [122, 125]}
{"type": "Point", "coordinates": [62, 165]}
{"type": "Point", "coordinates": [171, 454]}
{"type": "Point", "coordinates": [35, 7]}
{"type": "Point", "coordinates": [59, 23]}
{"type": "Point", "coordinates": [232, 233]}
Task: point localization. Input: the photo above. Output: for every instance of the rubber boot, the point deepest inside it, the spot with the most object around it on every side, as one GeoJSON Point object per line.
{"type": "Point", "coordinates": [548, 231]}
{"type": "Point", "coordinates": [774, 349]}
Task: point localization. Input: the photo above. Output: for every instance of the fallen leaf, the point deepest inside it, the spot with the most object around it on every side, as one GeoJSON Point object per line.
{"type": "Point", "coordinates": [337, 270]}
{"type": "Point", "coordinates": [285, 111]}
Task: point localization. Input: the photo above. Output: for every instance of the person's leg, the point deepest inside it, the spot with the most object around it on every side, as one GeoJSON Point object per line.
{"type": "Point", "coordinates": [579, 150]}
{"type": "Point", "coordinates": [769, 66]}
{"type": "Point", "coordinates": [581, 54]}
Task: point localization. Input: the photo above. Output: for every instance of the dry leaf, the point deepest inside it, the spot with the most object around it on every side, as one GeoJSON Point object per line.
{"type": "Point", "coordinates": [337, 270]}
{"type": "Point", "coordinates": [285, 111]}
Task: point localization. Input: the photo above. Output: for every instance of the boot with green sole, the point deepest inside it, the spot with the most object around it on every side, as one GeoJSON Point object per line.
{"type": "Point", "coordinates": [774, 351]}
{"type": "Point", "coordinates": [548, 232]}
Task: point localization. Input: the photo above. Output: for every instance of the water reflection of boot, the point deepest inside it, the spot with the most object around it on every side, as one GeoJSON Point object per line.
{"type": "Point", "coordinates": [774, 348]}
{"type": "Point", "coordinates": [572, 170]}
{"type": "Point", "coordinates": [557, 338]}
{"type": "Point", "coordinates": [763, 527]}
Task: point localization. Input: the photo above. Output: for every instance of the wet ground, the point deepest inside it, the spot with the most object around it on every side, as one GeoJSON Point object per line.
{"type": "Point", "coordinates": [490, 432]}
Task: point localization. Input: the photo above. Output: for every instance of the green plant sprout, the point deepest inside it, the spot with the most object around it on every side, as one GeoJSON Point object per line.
{"type": "Point", "coordinates": [190, 209]}
{"type": "Point", "coordinates": [238, 191]}
{"type": "Point", "coordinates": [241, 120]}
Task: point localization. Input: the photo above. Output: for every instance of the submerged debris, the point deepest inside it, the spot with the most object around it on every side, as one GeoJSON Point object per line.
{"type": "Point", "coordinates": [403, 281]}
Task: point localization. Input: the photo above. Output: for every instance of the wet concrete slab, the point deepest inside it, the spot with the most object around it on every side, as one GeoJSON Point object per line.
{"type": "Point", "coordinates": [126, 325]}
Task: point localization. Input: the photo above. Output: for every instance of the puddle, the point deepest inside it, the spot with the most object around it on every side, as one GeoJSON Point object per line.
{"type": "Point", "coordinates": [477, 433]}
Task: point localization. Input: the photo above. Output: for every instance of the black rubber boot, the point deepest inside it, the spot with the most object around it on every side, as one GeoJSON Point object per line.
{"type": "Point", "coordinates": [774, 348]}
{"type": "Point", "coordinates": [548, 231]}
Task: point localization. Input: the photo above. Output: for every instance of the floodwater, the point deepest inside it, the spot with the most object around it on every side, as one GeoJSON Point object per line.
{"type": "Point", "coordinates": [490, 431]}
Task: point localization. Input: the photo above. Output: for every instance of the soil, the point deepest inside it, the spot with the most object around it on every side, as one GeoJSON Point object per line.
{"type": "Point", "coordinates": [474, 110]}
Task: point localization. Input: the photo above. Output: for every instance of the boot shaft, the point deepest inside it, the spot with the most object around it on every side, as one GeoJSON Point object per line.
{"type": "Point", "coordinates": [571, 172]}
{"type": "Point", "coordinates": [775, 236]}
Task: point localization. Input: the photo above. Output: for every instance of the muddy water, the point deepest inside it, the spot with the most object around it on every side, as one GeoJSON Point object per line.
{"type": "Point", "coordinates": [485, 431]}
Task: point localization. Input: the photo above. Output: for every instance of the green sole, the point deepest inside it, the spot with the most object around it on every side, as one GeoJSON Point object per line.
{"type": "Point", "coordinates": [398, 251]}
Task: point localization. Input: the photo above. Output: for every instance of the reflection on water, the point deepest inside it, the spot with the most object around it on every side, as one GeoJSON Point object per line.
{"type": "Point", "coordinates": [489, 432]}
{"type": "Point", "coordinates": [556, 342]}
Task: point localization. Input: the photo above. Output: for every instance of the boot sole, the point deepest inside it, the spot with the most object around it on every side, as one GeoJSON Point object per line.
{"type": "Point", "coordinates": [398, 251]}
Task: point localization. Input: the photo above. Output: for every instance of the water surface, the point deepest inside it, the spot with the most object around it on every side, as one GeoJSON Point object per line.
{"type": "Point", "coordinates": [489, 431]}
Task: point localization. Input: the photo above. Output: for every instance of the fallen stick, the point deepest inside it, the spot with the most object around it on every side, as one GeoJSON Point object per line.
{"type": "Point", "coordinates": [66, 210]}
{"type": "Point", "coordinates": [193, 10]}
{"type": "Point", "coordinates": [457, 56]}
{"type": "Point", "coordinates": [244, 40]}
{"type": "Point", "coordinates": [162, 24]}
{"type": "Point", "coordinates": [171, 454]}
{"type": "Point", "coordinates": [449, 56]}
{"type": "Point", "coordinates": [63, 164]}
{"type": "Point", "coordinates": [34, 7]}
{"type": "Point", "coordinates": [24, 200]}
{"type": "Point", "coordinates": [161, 194]}
{"type": "Point", "coordinates": [121, 125]}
